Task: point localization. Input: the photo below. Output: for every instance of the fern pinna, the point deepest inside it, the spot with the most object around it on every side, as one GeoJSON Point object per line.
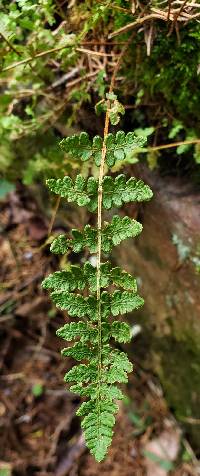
{"type": "Point", "coordinates": [104, 366]}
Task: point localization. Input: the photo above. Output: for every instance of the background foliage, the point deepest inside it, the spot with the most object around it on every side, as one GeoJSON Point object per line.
{"type": "Point", "coordinates": [50, 82]}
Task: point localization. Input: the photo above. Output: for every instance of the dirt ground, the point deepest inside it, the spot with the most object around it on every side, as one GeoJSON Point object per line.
{"type": "Point", "coordinates": [39, 432]}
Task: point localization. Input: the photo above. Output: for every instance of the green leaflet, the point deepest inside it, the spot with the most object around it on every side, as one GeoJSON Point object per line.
{"type": "Point", "coordinates": [121, 331]}
{"type": "Point", "coordinates": [82, 191]}
{"type": "Point", "coordinates": [125, 302]}
{"type": "Point", "coordinates": [79, 278]}
{"type": "Point", "coordinates": [118, 230]}
{"type": "Point", "coordinates": [113, 233]}
{"type": "Point", "coordinates": [118, 146]}
{"type": "Point", "coordinates": [75, 304]}
{"type": "Point", "coordinates": [81, 329]}
{"type": "Point", "coordinates": [117, 365]}
{"type": "Point", "coordinates": [79, 306]}
{"type": "Point", "coordinates": [78, 351]}
{"type": "Point", "coordinates": [105, 405]}
{"type": "Point", "coordinates": [81, 373]}
{"type": "Point", "coordinates": [112, 392]}
{"type": "Point", "coordinates": [87, 332]}
{"type": "Point", "coordinates": [98, 432]}
{"type": "Point", "coordinates": [65, 280]}
{"type": "Point", "coordinates": [85, 391]}
{"type": "Point", "coordinates": [108, 392]}
{"type": "Point", "coordinates": [59, 245]}
{"type": "Point", "coordinates": [116, 191]}
{"type": "Point", "coordinates": [100, 367]}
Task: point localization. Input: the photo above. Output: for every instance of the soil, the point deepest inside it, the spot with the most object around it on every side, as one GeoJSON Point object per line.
{"type": "Point", "coordinates": [39, 432]}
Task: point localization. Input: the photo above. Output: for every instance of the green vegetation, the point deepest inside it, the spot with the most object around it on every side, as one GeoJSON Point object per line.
{"type": "Point", "coordinates": [50, 74]}
{"type": "Point", "coordinates": [105, 365]}
{"type": "Point", "coordinates": [57, 60]}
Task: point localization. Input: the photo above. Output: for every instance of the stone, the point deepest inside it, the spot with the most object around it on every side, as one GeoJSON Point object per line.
{"type": "Point", "coordinates": [166, 259]}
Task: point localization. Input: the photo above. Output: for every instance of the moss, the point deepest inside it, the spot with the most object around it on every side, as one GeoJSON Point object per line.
{"type": "Point", "coordinates": [181, 383]}
{"type": "Point", "coordinates": [183, 250]}
{"type": "Point", "coordinates": [176, 361]}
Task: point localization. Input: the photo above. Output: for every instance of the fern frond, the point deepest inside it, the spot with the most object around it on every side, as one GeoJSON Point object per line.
{"type": "Point", "coordinates": [59, 246]}
{"type": "Point", "coordinates": [121, 331]}
{"type": "Point", "coordinates": [105, 405]}
{"type": "Point", "coordinates": [78, 351]}
{"type": "Point", "coordinates": [98, 431]}
{"type": "Point", "coordinates": [76, 305]}
{"type": "Point", "coordinates": [79, 278]}
{"type": "Point", "coordinates": [117, 146]}
{"type": "Point", "coordinates": [80, 329]}
{"type": "Point", "coordinates": [81, 290]}
{"type": "Point", "coordinates": [115, 192]}
{"type": "Point", "coordinates": [113, 233]}
{"type": "Point", "coordinates": [118, 230]}
{"type": "Point", "coordinates": [122, 302]}
{"type": "Point", "coordinates": [79, 306]}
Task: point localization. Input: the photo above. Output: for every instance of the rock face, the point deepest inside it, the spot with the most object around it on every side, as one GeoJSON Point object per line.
{"type": "Point", "coordinates": [165, 258]}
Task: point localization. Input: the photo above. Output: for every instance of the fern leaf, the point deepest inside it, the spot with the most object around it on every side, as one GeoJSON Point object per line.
{"type": "Point", "coordinates": [118, 191]}
{"type": "Point", "coordinates": [81, 373]}
{"type": "Point", "coordinates": [119, 366]}
{"type": "Point", "coordinates": [86, 407]}
{"type": "Point", "coordinates": [87, 238]}
{"type": "Point", "coordinates": [74, 192]}
{"type": "Point", "coordinates": [118, 359]}
{"type": "Point", "coordinates": [112, 234]}
{"type": "Point", "coordinates": [105, 405]}
{"type": "Point", "coordinates": [78, 351]}
{"type": "Point", "coordinates": [80, 329]}
{"type": "Point", "coordinates": [115, 191]}
{"type": "Point", "coordinates": [109, 276]}
{"type": "Point", "coordinates": [98, 432]}
{"type": "Point", "coordinates": [65, 280]}
{"type": "Point", "coordinates": [78, 146]}
{"type": "Point", "coordinates": [120, 331]}
{"type": "Point", "coordinates": [79, 278]}
{"type": "Point", "coordinates": [60, 245]}
{"type": "Point", "coordinates": [118, 146]}
{"type": "Point", "coordinates": [111, 392]}
{"type": "Point", "coordinates": [122, 302]}
{"type": "Point", "coordinates": [79, 306]}
{"type": "Point", "coordinates": [118, 230]}
{"type": "Point", "coordinates": [103, 367]}
{"type": "Point", "coordinates": [84, 391]}
{"type": "Point", "coordinates": [76, 305]}
{"type": "Point", "coordinates": [123, 279]}
{"type": "Point", "coordinates": [91, 276]}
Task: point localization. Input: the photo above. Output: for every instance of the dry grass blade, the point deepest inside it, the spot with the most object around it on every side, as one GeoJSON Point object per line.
{"type": "Point", "coordinates": [167, 10]}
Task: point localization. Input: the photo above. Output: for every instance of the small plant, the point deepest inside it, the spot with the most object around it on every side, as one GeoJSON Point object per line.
{"type": "Point", "coordinates": [87, 292]}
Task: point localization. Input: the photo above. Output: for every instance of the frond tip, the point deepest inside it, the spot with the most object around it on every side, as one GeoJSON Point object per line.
{"type": "Point", "coordinates": [98, 431]}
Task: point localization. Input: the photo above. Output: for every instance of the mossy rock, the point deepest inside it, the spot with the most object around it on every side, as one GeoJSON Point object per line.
{"type": "Point", "coordinates": [169, 343]}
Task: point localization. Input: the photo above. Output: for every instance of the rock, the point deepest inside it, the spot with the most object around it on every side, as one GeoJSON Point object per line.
{"type": "Point", "coordinates": [165, 258]}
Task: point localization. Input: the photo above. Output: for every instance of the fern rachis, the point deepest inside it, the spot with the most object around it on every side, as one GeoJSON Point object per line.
{"type": "Point", "coordinates": [103, 365]}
